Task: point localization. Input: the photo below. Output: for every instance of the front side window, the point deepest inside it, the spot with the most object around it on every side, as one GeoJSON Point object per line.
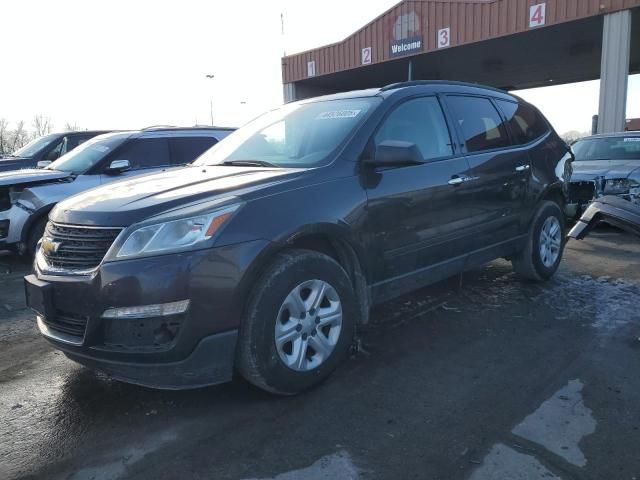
{"type": "Point", "coordinates": [524, 122]}
{"type": "Point", "coordinates": [186, 149]}
{"type": "Point", "coordinates": [607, 148]}
{"type": "Point", "coordinates": [298, 135]}
{"type": "Point", "coordinates": [146, 153]}
{"type": "Point", "coordinates": [479, 122]}
{"type": "Point", "coordinates": [421, 122]}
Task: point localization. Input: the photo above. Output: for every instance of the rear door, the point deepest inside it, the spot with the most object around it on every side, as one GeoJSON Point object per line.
{"type": "Point", "coordinates": [500, 170]}
{"type": "Point", "coordinates": [417, 215]}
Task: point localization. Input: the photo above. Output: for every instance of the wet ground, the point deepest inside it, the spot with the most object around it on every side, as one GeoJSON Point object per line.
{"type": "Point", "coordinates": [497, 380]}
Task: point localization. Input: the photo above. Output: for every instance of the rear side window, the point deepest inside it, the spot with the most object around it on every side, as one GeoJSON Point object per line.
{"type": "Point", "coordinates": [146, 153]}
{"type": "Point", "coordinates": [525, 123]}
{"type": "Point", "coordinates": [480, 123]}
{"type": "Point", "coordinates": [186, 149]}
{"type": "Point", "coordinates": [419, 121]}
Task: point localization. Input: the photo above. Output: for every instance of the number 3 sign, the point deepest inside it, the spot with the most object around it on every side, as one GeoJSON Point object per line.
{"type": "Point", "coordinates": [537, 15]}
{"type": "Point", "coordinates": [444, 37]}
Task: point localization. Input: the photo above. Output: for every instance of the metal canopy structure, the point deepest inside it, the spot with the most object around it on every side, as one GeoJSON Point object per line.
{"type": "Point", "coordinates": [509, 44]}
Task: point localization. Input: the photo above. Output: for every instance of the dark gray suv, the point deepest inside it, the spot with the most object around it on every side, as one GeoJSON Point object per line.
{"type": "Point", "coordinates": [264, 256]}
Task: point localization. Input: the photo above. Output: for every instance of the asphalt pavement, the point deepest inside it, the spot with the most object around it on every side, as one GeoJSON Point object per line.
{"type": "Point", "coordinates": [484, 378]}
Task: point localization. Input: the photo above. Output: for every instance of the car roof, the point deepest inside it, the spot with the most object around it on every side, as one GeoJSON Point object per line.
{"type": "Point", "coordinates": [427, 86]}
{"type": "Point", "coordinates": [611, 135]}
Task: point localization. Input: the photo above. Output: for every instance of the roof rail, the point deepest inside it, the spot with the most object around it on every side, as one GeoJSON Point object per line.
{"type": "Point", "coordinates": [417, 83]}
{"type": "Point", "coordinates": [195, 127]}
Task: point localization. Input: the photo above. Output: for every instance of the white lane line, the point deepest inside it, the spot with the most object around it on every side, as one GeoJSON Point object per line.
{"type": "Point", "coordinates": [560, 423]}
{"type": "Point", "coordinates": [333, 467]}
{"type": "Point", "coordinates": [504, 463]}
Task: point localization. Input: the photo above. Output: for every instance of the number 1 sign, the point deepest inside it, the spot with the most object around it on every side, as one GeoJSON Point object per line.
{"type": "Point", "coordinates": [537, 15]}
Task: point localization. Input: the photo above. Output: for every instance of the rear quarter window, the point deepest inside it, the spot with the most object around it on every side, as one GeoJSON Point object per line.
{"type": "Point", "coordinates": [525, 123]}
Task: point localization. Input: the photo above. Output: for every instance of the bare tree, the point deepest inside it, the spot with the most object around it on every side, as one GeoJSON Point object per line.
{"type": "Point", "coordinates": [41, 125]}
{"type": "Point", "coordinates": [71, 127]}
{"type": "Point", "coordinates": [4, 136]}
{"type": "Point", "coordinates": [19, 136]}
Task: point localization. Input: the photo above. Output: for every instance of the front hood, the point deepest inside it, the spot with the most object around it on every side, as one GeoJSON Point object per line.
{"type": "Point", "coordinates": [130, 201]}
{"type": "Point", "coordinates": [30, 176]}
{"type": "Point", "coordinates": [14, 163]}
{"type": "Point", "coordinates": [603, 168]}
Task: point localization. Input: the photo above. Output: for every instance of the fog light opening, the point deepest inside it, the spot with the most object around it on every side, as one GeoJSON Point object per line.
{"type": "Point", "coordinates": [148, 311]}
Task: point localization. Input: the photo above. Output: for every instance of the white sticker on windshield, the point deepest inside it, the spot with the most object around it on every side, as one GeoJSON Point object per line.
{"type": "Point", "coordinates": [632, 139]}
{"type": "Point", "coordinates": [100, 148]}
{"type": "Point", "coordinates": [339, 114]}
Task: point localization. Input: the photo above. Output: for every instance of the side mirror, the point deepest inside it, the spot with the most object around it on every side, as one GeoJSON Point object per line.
{"type": "Point", "coordinates": [118, 166]}
{"type": "Point", "coordinates": [393, 153]}
{"type": "Point", "coordinates": [43, 163]}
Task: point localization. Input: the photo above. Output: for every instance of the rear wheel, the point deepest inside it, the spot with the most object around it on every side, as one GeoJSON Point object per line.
{"type": "Point", "coordinates": [299, 323]}
{"type": "Point", "coordinates": [543, 252]}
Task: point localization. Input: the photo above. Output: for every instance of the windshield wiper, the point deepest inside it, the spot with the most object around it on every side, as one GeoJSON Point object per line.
{"type": "Point", "coordinates": [249, 163]}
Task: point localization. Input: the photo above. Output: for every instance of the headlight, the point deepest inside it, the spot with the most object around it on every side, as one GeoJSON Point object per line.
{"type": "Point", "coordinates": [174, 235]}
{"type": "Point", "coordinates": [617, 186]}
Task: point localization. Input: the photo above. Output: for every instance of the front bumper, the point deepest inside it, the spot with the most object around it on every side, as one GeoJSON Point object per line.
{"type": "Point", "coordinates": [13, 221]}
{"type": "Point", "coordinates": [187, 350]}
{"type": "Point", "coordinates": [611, 209]}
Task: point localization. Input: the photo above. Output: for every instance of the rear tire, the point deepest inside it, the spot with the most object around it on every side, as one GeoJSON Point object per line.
{"type": "Point", "coordinates": [304, 300]}
{"type": "Point", "coordinates": [543, 252]}
{"type": "Point", "coordinates": [35, 234]}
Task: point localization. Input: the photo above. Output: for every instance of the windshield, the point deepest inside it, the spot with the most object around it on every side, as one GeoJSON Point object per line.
{"type": "Point", "coordinates": [295, 135]}
{"type": "Point", "coordinates": [35, 146]}
{"type": "Point", "coordinates": [82, 158]}
{"type": "Point", "coordinates": [608, 148]}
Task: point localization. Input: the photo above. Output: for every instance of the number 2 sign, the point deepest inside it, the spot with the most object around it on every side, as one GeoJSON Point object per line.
{"type": "Point", "coordinates": [537, 15]}
{"type": "Point", "coordinates": [444, 37]}
{"type": "Point", "coordinates": [366, 56]}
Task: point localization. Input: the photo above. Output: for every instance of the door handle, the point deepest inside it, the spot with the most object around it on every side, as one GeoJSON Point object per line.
{"type": "Point", "coordinates": [523, 168]}
{"type": "Point", "coordinates": [456, 181]}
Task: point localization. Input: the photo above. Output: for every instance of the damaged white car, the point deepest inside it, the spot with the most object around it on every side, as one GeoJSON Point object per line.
{"type": "Point", "coordinates": [27, 196]}
{"type": "Point", "coordinates": [604, 165]}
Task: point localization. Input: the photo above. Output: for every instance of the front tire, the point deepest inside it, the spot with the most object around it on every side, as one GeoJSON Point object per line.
{"type": "Point", "coordinates": [299, 323]}
{"type": "Point", "coordinates": [543, 252]}
{"type": "Point", "coordinates": [35, 234]}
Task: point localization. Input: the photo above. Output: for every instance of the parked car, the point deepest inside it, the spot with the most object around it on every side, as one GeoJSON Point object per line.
{"type": "Point", "coordinates": [27, 196]}
{"type": "Point", "coordinates": [605, 165]}
{"type": "Point", "coordinates": [265, 255]}
{"type": "Point", "coordinates": [44, 150]}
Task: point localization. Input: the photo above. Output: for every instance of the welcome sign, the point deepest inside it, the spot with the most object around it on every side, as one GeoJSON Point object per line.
{"type": "Point", "coordinates": [407, 46]}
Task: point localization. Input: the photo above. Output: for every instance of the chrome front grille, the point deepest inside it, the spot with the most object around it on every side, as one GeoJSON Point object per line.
{"type": "Point", "coordinates": [76, 248]}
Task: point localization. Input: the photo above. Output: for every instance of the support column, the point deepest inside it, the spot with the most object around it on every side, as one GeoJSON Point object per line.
{"type": "Point", "coordinates": [614, 71]}
{"type": "Point", "coordinates": [289, 91]}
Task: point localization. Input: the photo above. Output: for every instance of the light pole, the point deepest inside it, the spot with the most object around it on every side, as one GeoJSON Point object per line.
{"type": "Point", "coordinates": [211, 77]}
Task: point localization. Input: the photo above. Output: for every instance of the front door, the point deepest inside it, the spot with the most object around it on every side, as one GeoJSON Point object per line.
{"type": "Point", "coordinates": [417, 215]}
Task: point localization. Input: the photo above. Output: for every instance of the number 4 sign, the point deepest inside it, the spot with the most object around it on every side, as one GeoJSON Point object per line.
{"type": "Point", "coordinates": [444, 37]}
{"type": "Point", "coordinates": [537, 15]}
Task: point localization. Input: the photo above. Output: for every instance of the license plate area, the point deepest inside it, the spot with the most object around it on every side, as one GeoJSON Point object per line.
{"type": "Point", "coordinates": [39, 296]}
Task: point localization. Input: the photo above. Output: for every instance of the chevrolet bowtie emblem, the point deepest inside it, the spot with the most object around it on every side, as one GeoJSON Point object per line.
{"type": "Point", "coordinates": [50, 246]}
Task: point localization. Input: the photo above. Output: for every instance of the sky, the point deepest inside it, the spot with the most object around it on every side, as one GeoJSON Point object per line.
{"type": "Point", "coordinates": [134, 63]}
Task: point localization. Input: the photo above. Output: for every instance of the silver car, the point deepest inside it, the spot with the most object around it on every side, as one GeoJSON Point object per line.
{"type": "Point", "coordinates": [27, 196]}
